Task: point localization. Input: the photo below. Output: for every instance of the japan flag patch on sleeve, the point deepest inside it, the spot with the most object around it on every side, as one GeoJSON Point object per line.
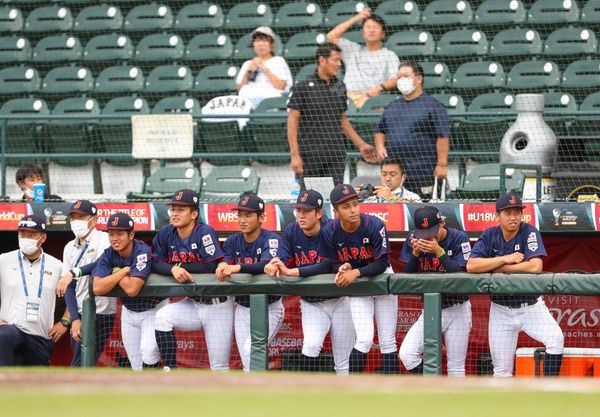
{"type": "Point", "coordinates": [532, 243]}
{"type": "Point", "coordinates": [141, 262]}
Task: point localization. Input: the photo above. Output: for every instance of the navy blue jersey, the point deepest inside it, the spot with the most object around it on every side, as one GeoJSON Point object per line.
{"type": "Point", "coordinates": [201, 246]}
{"type": "Point", "coordinates": [367, 244]}
{"type": "Point", "coordinates": [140, 262]}
{"type": "Point", "coordinates": [528, 241]}
{"type": "Point", "coordinates": [238, 251]}
{"type": "Point", "coordinates": [457, 247]}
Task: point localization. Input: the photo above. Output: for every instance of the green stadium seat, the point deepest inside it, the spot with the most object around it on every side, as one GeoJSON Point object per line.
{"type": "Point", "coordinates": [24, 136]}
{"type": "Point", "coordinates": [309, 69]}
{"type": "Point", "coordinates": [227, 183]}
{"type": "Point", "coordinates": [49, 19]}
{"type": "Point", "coordinates": [209, 46]}
{"type": "Point", "coordinates": [57, 48]}
{"type": "Point", "coordinates": [14, 49]}
{"type": "Point", "coordinates": [397, 13]}
{"type": "Point", "coordinates": [269, 134]}
{"type": "Point", "coordinates": [72, 136]}
{"type": "Point", "coordinates": [119, 79]}
{"type": "Point", "coordinates": [530, 75]}
{"type": "Point", "coordinates": [160, 47]}
{"type": "Point", "coordinates": [112, 47]}
{"type": "Point", "coordinates": [477, 75]}
{"type": "Point", "coordinates": [447, 12]}
{"type": "Point", "coordinates": [11, 19]}
{"type": "Point", "coordinates": [199, 16]}
{"type": "Point", "coordinates": [483, 182]}
{"type": "Point", "coordinates": [516, 42]}
{"type": "Point", "coordinates": [243, 48]}
{"type": "Point", "coordinates": [548, 12]}
{"type": "Point", "coordinates": [303, 46]}
{"type": "Point", "coordinates": [169, 78]}
{"type": "Point", "coordinates": [500, 12]}
{"type": "Point", "coordinates": [341, 11]}
{"type": "Point", "coordinates": [103, 17]}
{"type": "Point", "coordinates": [355, 36]}
{"type": "Point", "coordinates": [216, 79]}
{"type": "Point", "coordinates": [583, 74]}
{"type": "Point", "coordinates": [437, 75]}
{"type": "Point", "coordinates": [455, 106]}
{"type": "Point", "coordinates": [19, 80]}
{"type": "Point", "coordinates": [560, 110]}
{"type": "Point", "coordinates": [590, 14]}
{"type": "Point", "coordinates": [149, 17]}
{"type": "Point", "coordinates": [571, 41]}
{"type": "Point", "coordinates": [376, 105]}
{"type": "Point", "coordinates": [368, 116]}
{"type": "Point", "coordinates": [178, 104]}
{"type": "Point", "coordinates": [249, 15]}
{"type": "Point", "coordinates": [462, 42]}
{"type": "Point", "coordinates": [62, 80]}
{"type": "Point", "coordinates": [165, 181]}
{"type": "Point", "coordinates": [298, 15]}
{"type": "Point", "coordinates": [411, 43]}
{"type": "Point", "coordinates": [588, 125]}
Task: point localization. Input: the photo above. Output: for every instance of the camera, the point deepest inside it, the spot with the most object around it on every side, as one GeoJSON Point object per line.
{"type": "Point", "coordinates": [252, 75]}
{"type": "Point", "coordinates": [366, 191]}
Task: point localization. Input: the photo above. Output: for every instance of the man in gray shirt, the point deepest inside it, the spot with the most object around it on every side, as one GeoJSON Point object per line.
{"type": "Point", "coordinates": [370, 69]}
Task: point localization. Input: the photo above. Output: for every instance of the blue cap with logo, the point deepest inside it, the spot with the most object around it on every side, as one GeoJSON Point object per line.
{"type": "Point", "coordinates": [341, 193]}
{"type": "Point", "coordinates": [250, 202]}
{"type": "Point", "coordinates": [509, 201]}
{"type": "Point", "coordinates": [427, 222]}
{"type": "Point", "coordinates": [33, 223]}
{"type": "Point", "coordinates": [119, 221]}
{"type": "Point", "coordinates": [185, 197]}
{"type": "Point", "coordinates": [309, 199]}
{"type": "Point", "coordinates": [83, 207]}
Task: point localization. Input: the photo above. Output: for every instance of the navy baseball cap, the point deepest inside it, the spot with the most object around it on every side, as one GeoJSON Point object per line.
{"type": "Point", "coordinates": [509, 201]}
{"type": "Point", "coordinates": [309, 199]}
{"type": "Point", "coordinates": [427, 222]}
{"type": "Point", "coordinates": [250, 202]}
{"type": "Point", "coordinates": [33, 223]}
{"type": "Point", "coordinates": [83, 207]}
{"type": "Point", "coordinates": [341, 193]}
{"type": "Point", "coordinates": [119, 221]}
{"type": "Point", "coordinates": [185, 197]}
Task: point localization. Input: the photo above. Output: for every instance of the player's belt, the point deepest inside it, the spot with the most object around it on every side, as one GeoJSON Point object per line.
{"type": "Point", "coordinates": [516, 303]}
{"type": "Point", "coordinates": [210, 300]}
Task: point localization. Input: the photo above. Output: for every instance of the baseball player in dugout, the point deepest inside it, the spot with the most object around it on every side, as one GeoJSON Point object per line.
{"type": "Point", "coordinates": [358, 246]}
{"type": "Point", "coordinates": [79, 260]}
{"type": "Point", "coordinates": [28, 278]}
{"type": "Point", "coordinates": [433, 247]}
{"type": "Point", "coordinates": [516, 247]}
{"type": "Point", "coordinates": [299, 255]}
{"type": "Point", "coordinates": [248, 252]}
{"type": "Point", "coordinates": [185, 247]}
{"type": "Point", "coordinates": [127, 265]}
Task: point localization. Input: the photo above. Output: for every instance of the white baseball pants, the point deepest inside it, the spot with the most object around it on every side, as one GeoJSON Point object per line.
{"type": "Point", "coordinates": [385, 310]}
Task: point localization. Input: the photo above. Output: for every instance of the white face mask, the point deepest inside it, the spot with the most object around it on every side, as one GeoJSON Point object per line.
{"type": "Point", "coordinates": [405, 86]}
{"type": "Point", "coordinates": [80, 228]}
{"type": "Point", "coordinates": [28, 246]}
{"type": "Point", "coordinates": [28, 192]}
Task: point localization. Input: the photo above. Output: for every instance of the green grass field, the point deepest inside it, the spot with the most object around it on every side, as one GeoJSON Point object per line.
{"type": "Point", "coordinates": [111, 393]}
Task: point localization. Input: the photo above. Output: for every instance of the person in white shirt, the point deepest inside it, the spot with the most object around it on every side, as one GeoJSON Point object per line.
{"type": "Point", "coordinates": [392, 188]}
{"type": "Point", "coordinates": [28, 278]}
{"type": "Point", "coordinates": [79, 259]}
{"type": "Point", "coordinates": [264, 76]}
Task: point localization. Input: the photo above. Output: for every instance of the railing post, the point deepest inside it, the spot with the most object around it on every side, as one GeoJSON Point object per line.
{"type": "Point", "coordinates": [432, 319]}
{"type": "Point", "coordinates": [3, 156]}
{"type": "Point", "coordinates": [88, 334]}
{"type": "Point", "coordinates": [259, 332]}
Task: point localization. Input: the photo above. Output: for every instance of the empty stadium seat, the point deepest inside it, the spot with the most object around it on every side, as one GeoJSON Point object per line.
{"type": "Point", "coordinates": [341, 11]}
{"type": "Point", "coordinates": [169, 78]}
{"type": "Point", "coordinates": [500, 12]}
{"type": "Point", "coordinates": [209, 46]}
{"type": "Point", "coordinates": [548, 12]}
{"type": "Point", "coordinates": [516, 42]}
{"type": "Point", "coordinates": [165, 181]}
{"type": "Point", "coordinates": [583, 74]}
{"type": "Point", "coordinates": [149, 17]}
{"type": "Point", "coordinates": [119, 79]}
{"type": "Point", "coordinates": [588, 125]}
{"type": "Point", "coordinates": [49, 19]}
{"type": "Point", "coordinates": [276, 181]}
{"type": "Point", "coordinates": [249, 15]}
{"type": "Point", "coordinates": [227, 183]}
{"type": "Point", "coordinates": [57, 48]}
{"type": "Point", "coordinates": [368, 116]}
{"type": "Point", "coordinates": [355, 36]}
{"type": "Point", "coordinates": [397, 13]}
{"type": "Point", "coordinates": [590, 13]}
{"type": "Point", "coordinates": [447, 12]}
{"type": "Point", "coordinates": [571, 41]}
{"type": "Point", "coordinates": [298, 15]}
{"type": "Point", "coordinates": [462, 42]}
{"type": "Point", "coordinates": [455, 106]}
{"type": "Point", "coordinates": [533, 75]}
{"type": "Point", "coordinates": [14, 49]}
{"type": "Point", "coordinates": [61, 80]}
{"type": "Point", "coordinates": [243, 47]}
{"type": "Point", "coordinates": [269, 134]}
{"type": "Point", "coordinates": [199, 16]}
{"type": "Point", "coordinates": [303, 46]}
{"type": "Point", "coordinates": [560, 110]}
{"type": "Point", "coordinates": [102, 17]}
{"type": "Point", "coordinates": [216, 79]}
{"type": "Point", "coordinates": [159, 47]}
{"type": "Point", "coordinates": [411, 43]}
{"type": "Point", "coordinates": [485, 74]}
{"type": "Point", "coordinates": [18, 80]}
{"type": "Point", "coordinates": [178, 104]}
{"type": "Point", "coordinates": [24, 136]}
{"type": "Point", "coordinates": [483, 182]}
{"type": "Point", "coordinates": [437, 75]}
{"type": "Point", "coordinates": [11, 19]}
{"type": "Point", "coordinates": [112, 47]}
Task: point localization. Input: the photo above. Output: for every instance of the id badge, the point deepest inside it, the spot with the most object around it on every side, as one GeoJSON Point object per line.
{"type": "Point", "coordinates": [32, 312]}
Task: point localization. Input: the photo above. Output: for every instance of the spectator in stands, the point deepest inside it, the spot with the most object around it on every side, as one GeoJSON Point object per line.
{"type": "Point", "coordinates": [27, 298]}
{"type": "Point", "coordinates": [415, 130]}
{"type": "Point", "coordinates": [317, 121]}
{"type": "Point", "coordinates": [392, 188]}
{"type": "Point", "coordinates": [265, 75]}
{"type": "Point", "coordinates": [26, 177]}
{"type": "Point", "coordinates": [370, 69]}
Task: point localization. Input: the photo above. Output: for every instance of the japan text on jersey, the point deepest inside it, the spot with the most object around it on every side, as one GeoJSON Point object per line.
{"type": "Point", "coordinates": [202, 246]}
{"type": "Point", "coordinates": [297, 249]}
{"type": "Point", "coordinates": [456, 244]}
{"type": "Point", "coordinates": [528, 241]}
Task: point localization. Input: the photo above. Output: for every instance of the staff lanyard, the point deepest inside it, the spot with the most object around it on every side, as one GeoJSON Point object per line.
{"type": "Point", "coordinates": [81, 254]}
{"type": "Point", "coordinates": [41, 275]}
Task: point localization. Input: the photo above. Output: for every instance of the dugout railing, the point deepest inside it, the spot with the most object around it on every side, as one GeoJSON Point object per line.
{"type": "Point", "coordinates": [431, 286]}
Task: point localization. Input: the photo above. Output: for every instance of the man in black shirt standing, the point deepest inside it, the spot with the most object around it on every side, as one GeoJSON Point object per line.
{"type": "Point", "coordinates": [317, 121]}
